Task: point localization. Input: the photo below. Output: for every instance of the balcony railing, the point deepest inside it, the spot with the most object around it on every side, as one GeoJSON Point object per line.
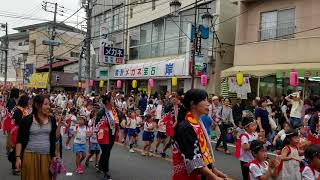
{"type": "Point", "coordinates": [277, 32]}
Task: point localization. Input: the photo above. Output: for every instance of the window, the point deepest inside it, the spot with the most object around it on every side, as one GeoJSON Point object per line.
{"type": "Point", "coordinates": [26, 42]}
{"type": "Point", "coordinates": [172, 30]}
{"type": "Point", "coordinates": [277, 24]}
{"type": "Point", "coordinates": [134, 36]}
{"type": "Point", "coordinates": [74, 54]}
{"type": "Point", "coordinates": [145, 33]}
{"type": "Point", "coordinates": [158, 30]}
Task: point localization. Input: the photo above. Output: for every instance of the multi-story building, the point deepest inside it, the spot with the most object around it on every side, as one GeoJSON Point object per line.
{"type": "Point", "coordinates": [275, 38]}
{"type": "Point", "coordinates": [28, 53]}
{"type": "Point", "coordinates": [107, 30]}
{"type": "Point", "coordinates": [157, 45]}
{"type": "Point", "coordinates": [17, 54]}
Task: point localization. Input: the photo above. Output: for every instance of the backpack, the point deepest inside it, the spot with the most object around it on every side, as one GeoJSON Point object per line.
{"type": "Point", "coordinates": [238, 144]}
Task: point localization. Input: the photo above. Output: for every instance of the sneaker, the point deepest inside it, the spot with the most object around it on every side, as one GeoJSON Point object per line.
{"type": "Point", "coordinates": [143, 153]}
{"type": "Point", "coordinates": [131, 150]}
{"type": "Point", "coordinates": [80, 170]}
{"type": "Point", "coordinates": [96, 166]}
{"type": "Point", "coordinates": [91, 159]}
{"type": "Point", "coordinates": [68, 147]}
{"type": "Point", "coordinates": [163, 155]}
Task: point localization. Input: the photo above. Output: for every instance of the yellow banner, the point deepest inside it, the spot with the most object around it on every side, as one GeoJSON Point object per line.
{"type": "Point", "coordinates": [39, 80]}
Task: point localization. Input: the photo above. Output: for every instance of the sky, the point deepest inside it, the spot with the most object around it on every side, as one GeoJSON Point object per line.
{"type": "Point", "coordinates": [33, 9]}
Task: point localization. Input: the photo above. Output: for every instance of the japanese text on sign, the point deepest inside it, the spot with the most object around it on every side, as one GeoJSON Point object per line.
{"type": "Point", "coordinates": [166, 69]}
{"type": "Point", "coordinates": [113, 55]}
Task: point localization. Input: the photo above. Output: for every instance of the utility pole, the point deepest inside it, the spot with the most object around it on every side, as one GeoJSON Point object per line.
{"type": "Point", "coordinates": [6, 56]}
{"type": "Point", "coordinates": [194, 46]}
{"type": "Point", "coordinates": [53, 36]}
{"type": "Point", "coordinates": [88, 8]}
{"type": "Point", "coordinates": [80, 66]}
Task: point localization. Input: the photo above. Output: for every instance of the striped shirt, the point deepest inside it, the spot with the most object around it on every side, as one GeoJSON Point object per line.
{"type": "Point", "coordinates": [39, 141]}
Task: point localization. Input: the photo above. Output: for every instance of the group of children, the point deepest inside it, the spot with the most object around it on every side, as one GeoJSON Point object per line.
{"type": "Point", "coordinates": [297, 160]}
{"type": "Point", "coordinates": [148, 124]}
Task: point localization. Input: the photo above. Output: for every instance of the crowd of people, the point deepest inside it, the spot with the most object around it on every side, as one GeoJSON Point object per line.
{"type": "Point", "coordinates": [39, 126]}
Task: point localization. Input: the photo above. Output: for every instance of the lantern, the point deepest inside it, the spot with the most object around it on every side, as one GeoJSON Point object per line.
{"type": "Point", "coordinates": [134, 84]}
{"type": "Point", "coordinates": [119, 84]}
{"type": "Point", "coordinates": [91, 83]}
{"type": "Point", "coordinates": [240, 79]}
{"type": "Point", "coordinates": [83, 85]}
{"type": "Point", "coordinates": [151, 83]}
{"type": "Point", "coordinates": [204, 79]}
{"type": "Point", "coordinates": [294, 78]}
{"type": "Point", "coordinates": [101, 83]}
{"type": "Point", "coordinates": [79, 84]}
{"type": "Point", "coordinates": [174, 81]}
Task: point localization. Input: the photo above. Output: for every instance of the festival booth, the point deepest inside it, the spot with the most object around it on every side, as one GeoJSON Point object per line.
{"type": "Point", "coordinates": [275, 80]}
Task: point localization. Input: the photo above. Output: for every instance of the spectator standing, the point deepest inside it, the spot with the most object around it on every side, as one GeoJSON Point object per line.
{"type": "Point", "coordinates": [295, 113]}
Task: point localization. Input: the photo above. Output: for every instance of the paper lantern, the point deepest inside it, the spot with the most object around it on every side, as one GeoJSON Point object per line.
{"type": "Point", "coordinates": [294, 81]}
{"type": "Point", "coordinates": [119, 84]}
{"type": "Point", "coordinates": [91, 83]}
{"type": "Point", "coordinates": [151, 83]}
{"type": "Point", "coordinates": [101, 83]}
{"type": "Point", "coordinates": [204, 79]}
{"type": "Point", "coordinates": [83, 85]}
{"type": "Point", "coordinates": [240, 79]}
{"type": "Point", "coordinates": [134, 84]}
{"type": "Point", "coordinates": [79, 84]}
{"type": "Point", "coordinates": [174, 81]}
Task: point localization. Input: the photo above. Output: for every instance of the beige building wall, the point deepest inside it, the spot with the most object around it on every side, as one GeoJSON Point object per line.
{"type": "Point", "coordinates": [302, 48]}
{"type": "Point", "coordinates": [38, 53]}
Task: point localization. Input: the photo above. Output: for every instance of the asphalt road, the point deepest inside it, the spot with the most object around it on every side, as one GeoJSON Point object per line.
{"type": "Point", "coordinates": [125, 166]}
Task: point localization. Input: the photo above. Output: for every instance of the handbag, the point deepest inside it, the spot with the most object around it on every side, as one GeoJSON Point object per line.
{"type": "Point", "coordinates": [272, 123]}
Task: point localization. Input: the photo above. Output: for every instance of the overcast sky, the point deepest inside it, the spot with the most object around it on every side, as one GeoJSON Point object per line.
{"type": "Point", "coordinates": [32, 9]}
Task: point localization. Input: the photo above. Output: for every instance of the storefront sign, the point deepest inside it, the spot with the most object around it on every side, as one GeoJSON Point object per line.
{"type": "Point", "coordinates": [162, 68]}
{"type": "Point", "coordinates": [113, 55]}
{"type": "Point", "coordinates": [39, 80]}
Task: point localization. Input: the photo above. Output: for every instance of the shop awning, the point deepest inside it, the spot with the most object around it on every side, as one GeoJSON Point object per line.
{"type": "Point", "coordinates": [265, 70]}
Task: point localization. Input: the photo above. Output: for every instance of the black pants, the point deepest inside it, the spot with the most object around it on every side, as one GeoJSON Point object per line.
{"type": "Point", "coordinates": [105, 156]}
{"type": "Point", "coordinates": [245, 170]}
{"type": "Point", "coordinates": [12, 159]}
{"type": "Point", "coordinates": [224, 130]}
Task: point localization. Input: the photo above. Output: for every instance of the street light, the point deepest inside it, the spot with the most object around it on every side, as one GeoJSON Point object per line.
{"type": "Point", "coordinates": [207, 19]}
{"type": "Point", "coordinates": [175, 7]}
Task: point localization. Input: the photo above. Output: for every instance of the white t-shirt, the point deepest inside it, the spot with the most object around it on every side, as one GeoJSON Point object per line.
{"type": "Point", "coordinates": [162, 126]}
{"type": "Point", "coordinates": [307, 174]}
{"type": "Point", "coordinates": [73, 121]}
{"type": "Point", "coordinates": [246, 156]}
{"type": "Point", "coordinates": [80, 135]}
{"type": "Point", "coordinates": [132, 122]}
{"type": "Point", "coordinates": [93, 138]}
{"type": "Point", "coordinates": [284, 109]}
{"type": "Point", "coordinates": [282, 134]}
{"type": "Point", "coordinates": [296, 109]}
{"type": "Point", "coordinates": [307, 118]}
{"type": "Point", "coordinates": [159, 112]}
{"type": "Point", "coordinates": [256, 171]}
